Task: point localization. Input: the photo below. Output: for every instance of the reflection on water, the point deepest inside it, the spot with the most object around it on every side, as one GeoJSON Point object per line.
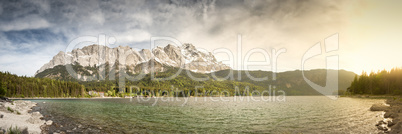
{"type": "Point", "coordinates": [298, 114]}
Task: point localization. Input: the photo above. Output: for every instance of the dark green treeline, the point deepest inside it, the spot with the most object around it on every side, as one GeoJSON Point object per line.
{"type": "Point", "coordinates": [378, 83]}
{"type": "Point", "coordinates": [20, 86]}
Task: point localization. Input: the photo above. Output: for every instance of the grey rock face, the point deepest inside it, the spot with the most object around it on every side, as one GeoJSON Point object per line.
{"type": "Point", "coordinates": [185, 56]}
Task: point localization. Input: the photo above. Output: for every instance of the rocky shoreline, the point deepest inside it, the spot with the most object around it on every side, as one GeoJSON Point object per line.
{"type": "Point", "coordinates": [392, 117]}
{"type": "Point", "coordinates": [65, 124]}
{"type": "Point", "coordinates": [19, 115]}
{"type": "Point", "coordinates": [30, 117]}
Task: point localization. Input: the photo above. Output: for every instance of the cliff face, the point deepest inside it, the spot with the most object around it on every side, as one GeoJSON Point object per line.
{"type": "Point", "coordinates": [185, 56]}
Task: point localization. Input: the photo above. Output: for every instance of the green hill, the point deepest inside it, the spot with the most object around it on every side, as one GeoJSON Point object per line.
{"type": "Point", "coordinates": [291, 82]}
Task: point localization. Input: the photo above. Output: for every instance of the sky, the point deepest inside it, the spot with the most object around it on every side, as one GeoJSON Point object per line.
{"type": "Point", "coordinates": [369, 32]}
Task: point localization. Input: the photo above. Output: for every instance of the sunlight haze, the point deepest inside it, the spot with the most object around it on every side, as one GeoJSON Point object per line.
{"type": "Point", "coordinates": [369, 31]}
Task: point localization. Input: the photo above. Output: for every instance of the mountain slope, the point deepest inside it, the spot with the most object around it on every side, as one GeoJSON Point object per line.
{"type": "Point", "coordinates": [291, 82]}
{"type": "Point", "coordinates": [100, 67]}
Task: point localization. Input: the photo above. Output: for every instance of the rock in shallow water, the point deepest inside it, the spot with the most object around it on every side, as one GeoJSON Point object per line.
{"type": "Point", "coordinates": [390, 114]}
{"type": "Point", "coordinates": [49, 122]}
{"type": "Point", "coordinates": [391, 123]}
{"type": "Point", "coordinates": [383, 128]}
{"type": "Point", "coordinates": [380, 123]}
{"type": "Point", "coordinates": [379, 107]}
{"type": "Point", "coordinates": [35, 118]}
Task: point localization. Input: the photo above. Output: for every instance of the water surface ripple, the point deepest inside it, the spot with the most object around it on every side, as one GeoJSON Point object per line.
{"type": "Point", "coordinates": [298, 114]}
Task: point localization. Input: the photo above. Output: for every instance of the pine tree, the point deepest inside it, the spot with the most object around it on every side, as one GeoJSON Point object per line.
{"type": "Point", "coordinates": [3, 89]}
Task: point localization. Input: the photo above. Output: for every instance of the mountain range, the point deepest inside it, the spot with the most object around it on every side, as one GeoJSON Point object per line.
{"type": "Point", "coordinates": [131, 60]}
{"type": "Point", "coordinates": [89, 61]}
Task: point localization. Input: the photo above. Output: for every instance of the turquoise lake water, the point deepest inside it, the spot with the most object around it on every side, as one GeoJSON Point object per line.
{"type": "Point", "coordinates": [296, 114]}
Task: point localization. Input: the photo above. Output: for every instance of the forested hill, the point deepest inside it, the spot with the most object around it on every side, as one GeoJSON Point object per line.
{"type": "Point", "coordinates": [15, 86]}
{"type": "Point", "coordinates": [182, 81]}
{"type": "Point", "coordinates": [378, 83]}
{"type": "Point", "coordinates": [291, 82]}
{"type": "Point", "coordinates": [19, 86]}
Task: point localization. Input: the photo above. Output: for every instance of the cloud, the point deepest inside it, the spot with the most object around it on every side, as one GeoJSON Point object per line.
{"type": "Point", "coordinates": [133, 36]}
{"type": "Point", "coordinates": [24, 23]}
{"type": "Point", "coordinates": [48, 26]}
{"type": "Point", "coordinates": [22, 64]}
{"type": "Point", "coordinates": [1, 10]}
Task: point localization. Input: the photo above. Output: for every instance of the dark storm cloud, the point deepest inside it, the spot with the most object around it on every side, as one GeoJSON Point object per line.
{"type": "Point", "coordinates": [74, 18]}
{"type": "Point", "coordinates": [47, 26]}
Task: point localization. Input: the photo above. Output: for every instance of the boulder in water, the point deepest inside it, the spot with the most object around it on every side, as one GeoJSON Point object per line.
{"type": "Point", "coordinates": [390, 114]}
{"type": "Point", "coordinates": [381, 125]}
{"type": "Point", "coordinates": [379, 107]}
{"type": "Point", "coordinates": [391, 123]}
{"type": "Point", "coordinates": [49, 122]}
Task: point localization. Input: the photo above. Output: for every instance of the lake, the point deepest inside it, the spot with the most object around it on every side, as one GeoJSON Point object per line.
{"type": "Point", "coordinates": [295, 114]}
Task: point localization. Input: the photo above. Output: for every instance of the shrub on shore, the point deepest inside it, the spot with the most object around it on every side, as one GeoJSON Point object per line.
{"type": "Point", "coordinates": [9, 109]}
{"type": "Point", "coordinates": [16, 130]}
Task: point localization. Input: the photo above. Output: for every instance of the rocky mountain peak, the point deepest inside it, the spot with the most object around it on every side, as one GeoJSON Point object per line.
{"type": "Point", "coordinates": [174, 54]}
{"type": "Point", "coordinates": [185, 56]}
{"type": "Point", "coordinates": [188, 46]}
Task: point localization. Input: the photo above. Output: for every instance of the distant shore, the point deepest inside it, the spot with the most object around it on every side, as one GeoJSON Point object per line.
{"type": "Point", "coordinates": [43, 98]}
{"type": "Point", "coordinates": [54, 98]}
{"type": "Point", "coordinates": [371, 96]}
